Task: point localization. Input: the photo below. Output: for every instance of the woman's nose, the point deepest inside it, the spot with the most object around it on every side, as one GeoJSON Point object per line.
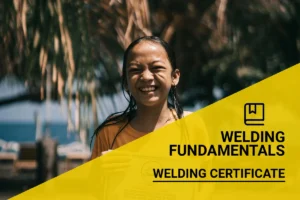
{"type": "Point", "coordinates": [147, 75]}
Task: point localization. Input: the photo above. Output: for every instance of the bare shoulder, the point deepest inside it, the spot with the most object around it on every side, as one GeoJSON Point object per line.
{"type": "Point", "coordinates": [186, 113]}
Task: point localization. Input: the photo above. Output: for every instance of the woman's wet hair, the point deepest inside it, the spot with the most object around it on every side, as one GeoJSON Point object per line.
{"type": "Point", "coordinates": [129, 113]}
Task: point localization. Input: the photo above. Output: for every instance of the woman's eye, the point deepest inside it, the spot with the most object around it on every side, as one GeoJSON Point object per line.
{"type": "Point", "coordinates": [133, 70]}
{"type": "Point", "coordinates": [158, 68]}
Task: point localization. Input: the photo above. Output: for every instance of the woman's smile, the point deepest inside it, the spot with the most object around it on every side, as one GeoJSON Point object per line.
{"type": "Point", "coordinates": [148, 89]}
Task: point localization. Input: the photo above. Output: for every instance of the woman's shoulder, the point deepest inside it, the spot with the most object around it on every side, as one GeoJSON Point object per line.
{"type": "Point", "coordinates": [186, 113]}
{"type": "Point", "coordinates": [107, 128]}
{"type": "Point", "coordinates": [104, 136]}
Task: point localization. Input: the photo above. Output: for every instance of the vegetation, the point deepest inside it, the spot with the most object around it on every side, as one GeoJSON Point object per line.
{"type": "Point", "coordinates": [78, 44]}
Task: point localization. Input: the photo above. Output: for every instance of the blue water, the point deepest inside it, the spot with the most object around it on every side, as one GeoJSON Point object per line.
{"type": "Point", "coordinates": [25, 132]}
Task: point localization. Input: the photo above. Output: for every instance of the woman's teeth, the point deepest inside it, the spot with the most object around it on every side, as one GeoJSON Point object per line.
{"type": "Point", "coordinates": [147, 89]}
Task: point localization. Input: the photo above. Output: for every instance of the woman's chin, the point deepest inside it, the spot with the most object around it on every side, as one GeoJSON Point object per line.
{"type": "Point", "coordinates": [149, 102]}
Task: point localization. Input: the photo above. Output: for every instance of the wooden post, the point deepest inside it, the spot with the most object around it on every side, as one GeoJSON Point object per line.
{"type": "Point", "coordinates": [47, 159]}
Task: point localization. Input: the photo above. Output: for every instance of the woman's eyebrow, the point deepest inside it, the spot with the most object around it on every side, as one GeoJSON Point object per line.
{"type": "Point", "coordinates": [157, 61]}
{"type": "Point", "coordinates": [133, 63]}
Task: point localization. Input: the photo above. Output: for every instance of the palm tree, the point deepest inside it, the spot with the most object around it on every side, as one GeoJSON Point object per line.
{"type": "Point", "coordinates": [226, 44]}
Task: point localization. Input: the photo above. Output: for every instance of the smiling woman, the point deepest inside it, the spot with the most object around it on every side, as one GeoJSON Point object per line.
{"type": "Point", "coordinates": [149, 77]}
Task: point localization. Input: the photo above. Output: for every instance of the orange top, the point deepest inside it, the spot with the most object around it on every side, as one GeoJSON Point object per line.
{"type": "Point", "coordinates": [106, 135]}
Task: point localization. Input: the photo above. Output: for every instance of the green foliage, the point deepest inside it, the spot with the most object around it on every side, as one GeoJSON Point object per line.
{"type": "Point", "coordinates": [229, 44]}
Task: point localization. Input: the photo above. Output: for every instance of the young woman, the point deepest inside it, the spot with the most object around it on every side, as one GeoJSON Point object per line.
{"type": "Point", "coordinates": [149, 77]}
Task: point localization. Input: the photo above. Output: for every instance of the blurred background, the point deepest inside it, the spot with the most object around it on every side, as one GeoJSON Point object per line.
{"type": "Point", "coordinates": [60, 67]}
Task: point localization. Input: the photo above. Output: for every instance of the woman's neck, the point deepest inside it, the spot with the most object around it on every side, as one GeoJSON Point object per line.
{"type": "Point", "coordinates": [148, 119]}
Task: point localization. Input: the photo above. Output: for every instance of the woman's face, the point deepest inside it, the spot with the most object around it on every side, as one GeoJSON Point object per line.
{"type": "Point", "coordinates": [149, 74]}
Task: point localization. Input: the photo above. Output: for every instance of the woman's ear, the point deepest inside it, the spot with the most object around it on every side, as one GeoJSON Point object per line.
{"type": "Point", "coordinates": [175, 77]}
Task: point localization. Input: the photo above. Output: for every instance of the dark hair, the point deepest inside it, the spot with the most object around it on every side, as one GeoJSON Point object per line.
{"type": "Point", "coordinates": [129, 113]}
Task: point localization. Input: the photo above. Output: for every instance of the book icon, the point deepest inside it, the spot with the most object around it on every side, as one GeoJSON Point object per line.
{"type": "Point", "coordinates": [254, 114]}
